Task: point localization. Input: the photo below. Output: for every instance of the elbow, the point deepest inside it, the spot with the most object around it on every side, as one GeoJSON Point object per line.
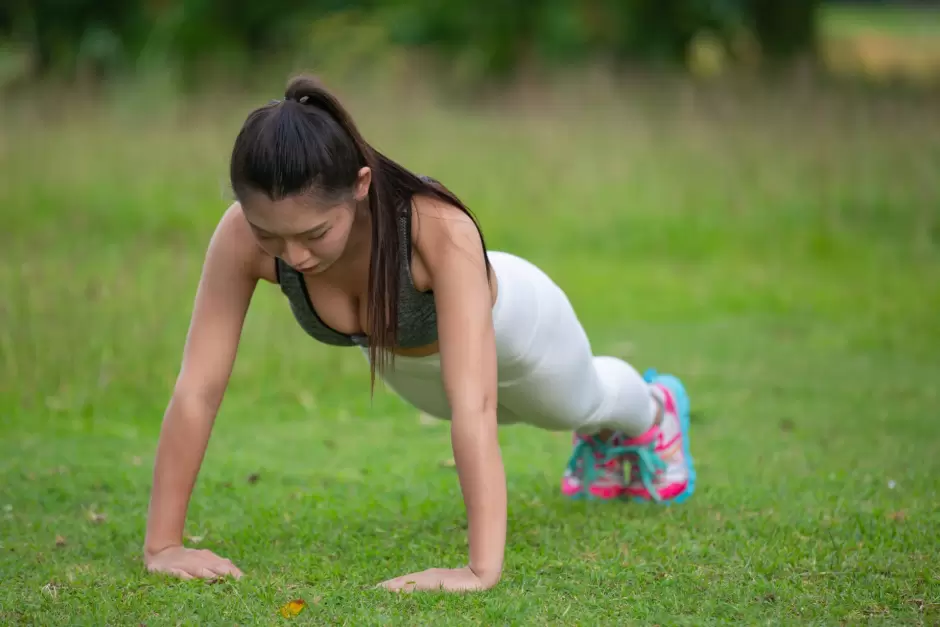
{"type": "Point", "coordinates": [194, 404]}
{"type": "Point", "coordinates": [480, 413]}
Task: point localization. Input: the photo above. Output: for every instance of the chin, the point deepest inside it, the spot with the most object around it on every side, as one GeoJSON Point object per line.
{"type": "Point", "coordinates": [320, 268]}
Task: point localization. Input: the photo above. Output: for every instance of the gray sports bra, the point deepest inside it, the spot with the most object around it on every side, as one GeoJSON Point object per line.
{"type": "Point", "coordinates": [417, 317]}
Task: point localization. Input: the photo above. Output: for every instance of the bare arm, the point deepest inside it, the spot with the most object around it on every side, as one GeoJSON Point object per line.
{"type": "Point", "coordinates": [229, 276]}
{"type": "Point", "coordinates": [452, 251]}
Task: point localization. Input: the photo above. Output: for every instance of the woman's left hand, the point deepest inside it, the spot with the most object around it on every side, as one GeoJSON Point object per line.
{"type": "Point", "coordinates": [449, 579]}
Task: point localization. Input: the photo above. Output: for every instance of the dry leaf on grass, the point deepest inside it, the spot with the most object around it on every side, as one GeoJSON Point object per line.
{"type": "Point", "coordinates": [51, 588]}
{"type": "Point", "coordinates": [293, 608]}
{"type": "Point", "coordinates": [253, 478]}
{"type": "Point", "coordinates": [59, 541]}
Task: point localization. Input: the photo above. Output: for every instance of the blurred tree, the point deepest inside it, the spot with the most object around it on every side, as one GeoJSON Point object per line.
{"type": "Point", "coordinates": [495, 35]}
{"type": "Point", "coordinates": [786, 31]}
{"type": "Point", "coordinates": [663, 30]}
{"type": "Point", "coordinates": [64, 33]}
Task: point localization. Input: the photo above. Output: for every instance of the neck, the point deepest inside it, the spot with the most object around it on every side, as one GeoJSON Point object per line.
{"type": "Point", "coordinates": [353, 266]}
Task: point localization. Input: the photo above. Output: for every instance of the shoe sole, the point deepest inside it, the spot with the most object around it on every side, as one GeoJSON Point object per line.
{"type": "Point", "coordinates": [585, 494]}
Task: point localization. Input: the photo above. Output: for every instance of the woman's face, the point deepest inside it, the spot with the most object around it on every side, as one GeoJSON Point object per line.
{"type": "Point", "coordinates": [309, 234]}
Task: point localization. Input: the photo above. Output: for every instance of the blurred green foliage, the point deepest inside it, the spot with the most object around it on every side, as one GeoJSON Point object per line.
{"type": "Point", "coordinates": [101, 37]}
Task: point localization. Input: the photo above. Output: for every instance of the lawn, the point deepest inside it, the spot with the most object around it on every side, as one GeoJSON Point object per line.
{"type": "Point", "coordinates": [778, 251]}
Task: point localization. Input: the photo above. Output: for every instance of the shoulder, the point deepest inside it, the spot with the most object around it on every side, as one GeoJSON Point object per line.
{"type": "Point", "coordinates": [446, 242]}
{"type": "Point", "coordinates": [438, 226]}
{"type": "Point", "coordinates": [234, 239]}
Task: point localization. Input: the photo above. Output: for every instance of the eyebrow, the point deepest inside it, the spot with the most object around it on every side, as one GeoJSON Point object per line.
{"type": "Point", "coordinates": [319, 227]}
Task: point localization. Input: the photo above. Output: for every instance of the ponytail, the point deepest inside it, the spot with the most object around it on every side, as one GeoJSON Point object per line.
{"type": "Point", "coordinates": [309, 143]}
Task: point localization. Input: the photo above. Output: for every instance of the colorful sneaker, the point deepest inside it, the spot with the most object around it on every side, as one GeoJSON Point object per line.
{"type": "Point", "coordinates": [592, 465]}
{"type": "Point", "coordinates": [661, 467]}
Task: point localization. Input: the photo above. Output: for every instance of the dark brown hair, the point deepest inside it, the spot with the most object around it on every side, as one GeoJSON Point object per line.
{"type": "Point", "coordinates": [308, 144]}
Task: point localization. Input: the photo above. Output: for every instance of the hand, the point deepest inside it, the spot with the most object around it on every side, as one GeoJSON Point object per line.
{"type": "Point", "coordinates": [450, 579]}
{"type": "Point", "coordinates": [190, 563]}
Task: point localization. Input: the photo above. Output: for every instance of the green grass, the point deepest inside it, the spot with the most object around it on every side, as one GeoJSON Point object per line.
{"type": "Point", "coordinates": [777, 251]}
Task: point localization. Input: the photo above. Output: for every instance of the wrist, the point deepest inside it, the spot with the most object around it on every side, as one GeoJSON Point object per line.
{"type": "Point", "coordinates": [489, 577]}
{"type": "Point", "coordinates": [151, 549]}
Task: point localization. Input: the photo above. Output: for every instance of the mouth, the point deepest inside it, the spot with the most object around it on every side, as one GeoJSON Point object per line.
{"type": "Point", "coordinates": [308, 269]}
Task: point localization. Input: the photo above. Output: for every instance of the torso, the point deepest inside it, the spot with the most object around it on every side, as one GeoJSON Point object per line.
{"type": "Point", "coordinates": [341, 304]}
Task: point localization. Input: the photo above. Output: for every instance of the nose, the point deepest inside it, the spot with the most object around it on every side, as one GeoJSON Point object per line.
{"type": "Point", "coordinates": [296, 255]}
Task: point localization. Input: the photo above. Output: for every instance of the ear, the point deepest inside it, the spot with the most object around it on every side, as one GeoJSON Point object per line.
{"type": "Point", "coordinates": [363, 181]}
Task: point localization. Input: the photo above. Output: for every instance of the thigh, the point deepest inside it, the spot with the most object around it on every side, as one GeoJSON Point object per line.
{"type": "Point", "coordinates": [552, 383]}
{"type": "Point", "coordinates": [560, 393]}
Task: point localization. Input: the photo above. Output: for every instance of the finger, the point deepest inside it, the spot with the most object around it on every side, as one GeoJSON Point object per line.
{"type": "Point", "coordinates": [417, 581]}
{"type": "Point", "coordinates": [390, 583]}
{"type": "Point", "coordinates": [412, 583]}
{"type": "Point", "coordinates": [430, 583]}
{"type": "Point", "coordinates": [224, 568]}
{"type": "Point", "coordinates": [399, 583]}
{"type": "Point", "coordinates": [165, 570]}
{"type": "Point", "coordinates": [205, 573]}
{"type": "Point", "coordinates": [219, 565]}
{"type": "Point", "coordinates": [235, 570]}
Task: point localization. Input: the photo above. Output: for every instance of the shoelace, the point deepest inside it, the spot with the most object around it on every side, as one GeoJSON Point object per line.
{"type": "Point", "coordinates": [592, 453]}
{"type": "Point", "coordinates": [648, 462]}
{"type": "Point", "coordinates": [587, 451]}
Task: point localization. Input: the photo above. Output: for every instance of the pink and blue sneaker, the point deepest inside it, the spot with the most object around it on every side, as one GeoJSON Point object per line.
{"type": "Point", "coordinates": [593, 473]}
{"type": "Point", "coordinates": [661, 465]}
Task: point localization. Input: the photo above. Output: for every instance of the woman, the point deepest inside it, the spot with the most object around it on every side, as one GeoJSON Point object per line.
{"type": "Point", "coordinates": [368, 254]}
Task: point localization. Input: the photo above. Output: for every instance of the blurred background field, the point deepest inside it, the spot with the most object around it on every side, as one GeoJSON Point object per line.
{"type": "Point", "coordinates": [744, 193]}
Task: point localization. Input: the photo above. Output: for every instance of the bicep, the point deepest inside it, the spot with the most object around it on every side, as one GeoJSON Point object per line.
{"type": "Point", "coordinates": [228, 280]}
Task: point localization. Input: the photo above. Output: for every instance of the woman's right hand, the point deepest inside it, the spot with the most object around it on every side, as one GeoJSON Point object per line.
{"type": "Point", "coordinates": [190, 563]}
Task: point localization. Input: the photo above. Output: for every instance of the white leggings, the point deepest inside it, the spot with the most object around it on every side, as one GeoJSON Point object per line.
{"type": "Point", "coordinates": [547, 375]}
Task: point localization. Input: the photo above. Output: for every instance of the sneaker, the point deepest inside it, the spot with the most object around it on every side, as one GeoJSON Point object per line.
{"type": "Point", "coordinates": [593, 472]}
{"type": "Point", "coordinates": [661, 467]}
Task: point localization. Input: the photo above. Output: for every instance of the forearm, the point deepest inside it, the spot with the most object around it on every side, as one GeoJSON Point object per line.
{"type": "Point", "coordinates": [483, 483]}
{"type": "Point", "coordinates": [180, 451]}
